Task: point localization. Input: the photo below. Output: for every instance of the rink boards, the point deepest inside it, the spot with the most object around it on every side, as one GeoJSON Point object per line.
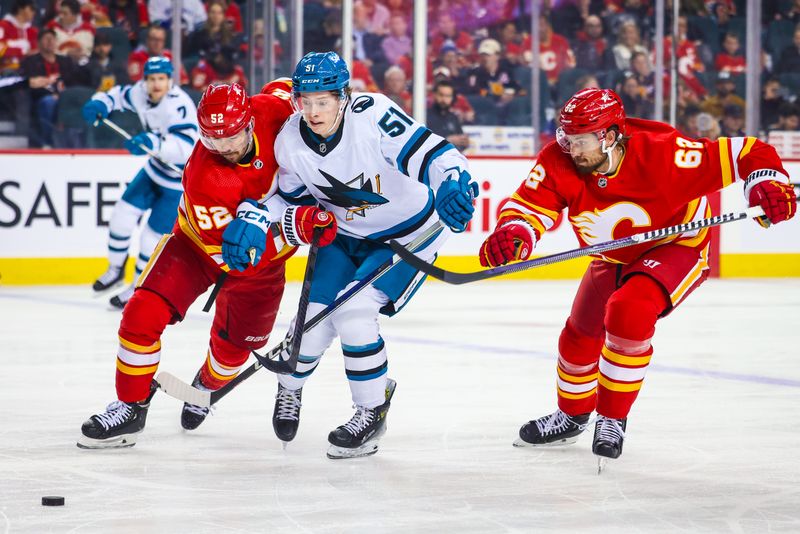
{"type": "Point", "coordinates": [55, 206]}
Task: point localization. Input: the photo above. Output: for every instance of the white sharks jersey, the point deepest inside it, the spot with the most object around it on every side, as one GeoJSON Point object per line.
{"type": "Point", "coordinates": [173, 120]}
{"type": "Point", "coordinates": [377, 174]}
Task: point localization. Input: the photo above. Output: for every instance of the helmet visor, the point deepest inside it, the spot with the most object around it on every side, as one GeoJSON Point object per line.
{"type": "Point", "coordinates": [321, 102]}
{"type": "Point", "coordinates": [229, 145]}
{"type": "Point", "coordinates": [579, 143]}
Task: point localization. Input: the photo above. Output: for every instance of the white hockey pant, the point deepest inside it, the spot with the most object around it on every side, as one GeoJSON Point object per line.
{"type": "Point", "coordinates": [356, 323]}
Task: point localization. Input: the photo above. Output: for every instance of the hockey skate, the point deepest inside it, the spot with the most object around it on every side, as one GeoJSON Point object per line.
{"type": "Point", "coordinates": [359, 436]}
{"type": "Point", "coordinates": [192, 416]}
{"type": "Point", "coordinates": [551, 430]}
{"type": "Point", "coordinates": [609, 435]}
{"type": "Point", "coordinates": [119, 301]}
{"type": "Point", "coordinates": [113, 277]}
{"type": "Point", "coordinates": [286, 416]}
{"type": "Point", "coordinates": [118, 426]}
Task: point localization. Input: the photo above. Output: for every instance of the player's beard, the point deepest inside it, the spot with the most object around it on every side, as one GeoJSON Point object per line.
{"type": "Point", "coordinates": [589, 168]}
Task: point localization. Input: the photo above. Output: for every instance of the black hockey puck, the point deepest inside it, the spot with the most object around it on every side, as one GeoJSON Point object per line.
{"type": "Point", "coordinates": [53, 500]}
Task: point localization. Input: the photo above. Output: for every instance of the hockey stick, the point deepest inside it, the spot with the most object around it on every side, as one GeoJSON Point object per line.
{"type": "Point", "coordinates": [290, 365]}
{"type": "Point", "coordinates": [221, 280]}
{"type": "Point", "coordinates": [114, 126]}
{"type": "Point", "coordinates": [464, 278]}
{"type": "Point", "coordinates": [175, 387]}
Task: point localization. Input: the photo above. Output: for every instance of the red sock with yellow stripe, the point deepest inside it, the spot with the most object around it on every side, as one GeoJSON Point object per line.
{"type": "Point", "coordinates": [143, 320]}
{"type": "Point", "coordinates": [631, 315]}
{"type": "Point", "coordinates": [577, 370]}
{"type": "Point", "coordinates": [223, 361]}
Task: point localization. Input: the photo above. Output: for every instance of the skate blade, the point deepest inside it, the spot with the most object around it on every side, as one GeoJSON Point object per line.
{"type": "Point", "coordinates": [601, 464]}
{"type": "Point", "coordinates": [519, 442]}
{"type": "Point", "coordinates": [339, 453]}
{"type": "Point", "coordinates": [284, 444]}
{"type": "Point", "coordinates": [107, 291]}
{"type": "Point", "coordinates": [117, 442]}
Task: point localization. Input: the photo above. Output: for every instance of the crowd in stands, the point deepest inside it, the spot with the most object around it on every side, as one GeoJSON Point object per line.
{"type": "Point", "coordinates": [479, 60]}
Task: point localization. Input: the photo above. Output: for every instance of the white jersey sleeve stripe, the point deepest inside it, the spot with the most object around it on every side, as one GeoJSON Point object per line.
{"type": "Point", "coordinates": [411, 148]}
{"type": "Point", "coordinates": [442, 147]}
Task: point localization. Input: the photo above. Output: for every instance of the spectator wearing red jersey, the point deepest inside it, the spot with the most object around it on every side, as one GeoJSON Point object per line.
{"type": "Point", "coordinates": [513, 44]}
{"type": "Point", "coordinates": [555, 54]}
{"type": "Point", "coordinates": [233, 16]}
{"type": "Point", "coordinates": [730, 58]}
{"type": "Point", "coordinates": [446, 30]}
{"type": "Point", "coordinates": [361, 79]}
{"type": "Point", "coordinates": [74, 36]}
{"type": "Point", "coordinates": [18, 35]}
{"type": "Point", "coordinates": [18, 39]}
{"type": "Point", "coordinates": [590, 45]}
{"type": "Point", "coordinates": [130, 15]}
{"type": "Point", "coordinates": [154, 45]}
{"type": "Point", "coordinates": [215, 70]}
{"type": "Point", "coordinates": [689, 63]}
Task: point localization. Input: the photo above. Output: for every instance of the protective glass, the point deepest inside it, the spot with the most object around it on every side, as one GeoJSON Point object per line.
{"type": "Point", "coordinates": [579, 143]}
{"type": "Point", "coordinates": [229, 145]}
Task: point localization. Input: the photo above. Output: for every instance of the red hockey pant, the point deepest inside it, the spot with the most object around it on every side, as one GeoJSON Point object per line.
{"type": "Point", "coordinates": [605, 347]}
{"type": "Point", "coordinates": [178, 273]}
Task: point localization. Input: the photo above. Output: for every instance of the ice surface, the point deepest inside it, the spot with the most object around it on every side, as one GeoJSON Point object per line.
{"type": "Point", "coordinates": [712, 443]}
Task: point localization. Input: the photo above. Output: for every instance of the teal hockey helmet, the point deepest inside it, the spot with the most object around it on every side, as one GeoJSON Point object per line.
{"type": "Point", "coordinates": [321, 71]}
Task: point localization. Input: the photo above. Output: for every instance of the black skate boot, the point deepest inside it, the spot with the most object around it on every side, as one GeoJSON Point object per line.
{"type": "Point", "coordinates": [555, 429]}
{"type": "Point", "coordinates": [286, 416]}
{"type": "Point", "coordinates": [110, 279]}
{"type": "Point", "coordinates": [360, 435]}
{"type": "Point", "coordinates": [119, 301]}
{"type": "Point", "coordinates": [192, 416]}
{"type": "Point", "coordinates": [609, 434]}
{"type": "Point", "coordinates": [117, 427]}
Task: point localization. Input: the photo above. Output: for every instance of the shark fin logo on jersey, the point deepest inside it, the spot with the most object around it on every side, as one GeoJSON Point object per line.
{"type": "Point", "coordinates": [362, 103]}
{"type": "Point", "coordinates": [356, 200]}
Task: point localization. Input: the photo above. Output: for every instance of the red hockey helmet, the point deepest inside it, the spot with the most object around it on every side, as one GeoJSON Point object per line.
{"type": "Point", "coordinates": [224, 111]}
{"type": "Point", "coordinates": [590, 111]}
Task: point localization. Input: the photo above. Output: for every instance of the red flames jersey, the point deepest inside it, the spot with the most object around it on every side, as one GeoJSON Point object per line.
{"type": "Point", "coordinates": [661, 181]}
{"type": "Point", "coordinates": [214, 188]}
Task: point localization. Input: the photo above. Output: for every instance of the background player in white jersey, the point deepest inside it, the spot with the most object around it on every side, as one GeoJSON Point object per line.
{"type": "Point", "coordinates": [384, 176]}
{"type": "Point", "coordinates": [169, 118]}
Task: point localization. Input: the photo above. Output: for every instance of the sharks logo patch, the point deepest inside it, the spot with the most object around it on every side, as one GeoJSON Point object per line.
{"type": "Point", "coordinates": [362, 103]}
{"type": "Point", "coordinates": [356, 196]}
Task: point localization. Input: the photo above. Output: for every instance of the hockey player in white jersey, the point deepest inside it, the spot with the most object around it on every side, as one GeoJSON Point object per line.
{"type": "Point", "coordinates": [384, 176]}
{"type": "Point", "coordinates": [169, 119]}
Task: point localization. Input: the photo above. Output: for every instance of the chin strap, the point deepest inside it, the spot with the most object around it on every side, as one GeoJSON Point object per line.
{"type": "Point", "coordinates": [338, 116]}
{"type": "Point", "coordinates": [609, 152]}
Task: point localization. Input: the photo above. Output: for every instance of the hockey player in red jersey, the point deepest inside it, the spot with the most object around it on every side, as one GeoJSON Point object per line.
{"type": "Point", "coordinates": [619, 176]}
{"type": "Point", "coordinates": [221, 227]}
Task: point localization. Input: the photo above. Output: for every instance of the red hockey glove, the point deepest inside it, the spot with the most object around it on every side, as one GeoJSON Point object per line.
{"type": "Point", "coordinates": [776, 197]}
{"type": "Point", "coordinates": [299, 222]}
{"type": "Point", "coordinates": [513, 241]}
